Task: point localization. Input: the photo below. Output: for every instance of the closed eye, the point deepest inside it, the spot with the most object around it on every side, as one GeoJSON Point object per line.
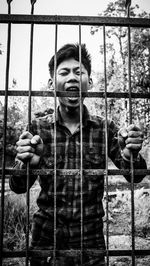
{"type": "Point", "coordinates": [63, 73]}
{"type": "Point", "coordinates": [78, 73]}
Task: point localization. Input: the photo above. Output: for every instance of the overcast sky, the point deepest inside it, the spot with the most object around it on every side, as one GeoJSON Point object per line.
{"type": "Point", "coordinates": [44, 37]}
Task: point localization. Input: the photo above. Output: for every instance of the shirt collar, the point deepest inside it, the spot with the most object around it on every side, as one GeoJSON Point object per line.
{"type": "Point", "coordinates": [87, 117]}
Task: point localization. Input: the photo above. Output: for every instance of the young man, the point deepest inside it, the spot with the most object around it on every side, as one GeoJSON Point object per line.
{"type": "Point", "coordinates": [37, 147]}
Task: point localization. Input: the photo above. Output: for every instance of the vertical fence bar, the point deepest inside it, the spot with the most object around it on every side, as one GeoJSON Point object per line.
{"type": "Point", "coordinates": [106, 148]}
{"type": "Point", "coordinates": [55, 146]}
{"type": "Point", "coordinates": [4, 137]}
{"type": "Point", "coordinates": [128, 3]}
{"type": "Point", "coordinates": [81, 147]}
{"type": "Point", "coordinates": [29, 126]}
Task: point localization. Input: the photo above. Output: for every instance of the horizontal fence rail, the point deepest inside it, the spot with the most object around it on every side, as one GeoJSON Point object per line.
{"type": "Point", "coordinates": [76, 94]}
{"type": "Point", "coordinates": [75, 172]}
{"type": "Point", "coordinates": [70, 253]}
{"type": "Point", "coordinates": [75, 20]}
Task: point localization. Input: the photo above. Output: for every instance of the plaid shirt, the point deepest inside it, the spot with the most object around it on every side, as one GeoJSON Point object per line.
{"type": "Point", "coordinates": [69, 187]}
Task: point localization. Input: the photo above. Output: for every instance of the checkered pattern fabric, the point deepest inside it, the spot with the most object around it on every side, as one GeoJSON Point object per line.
{"type": "Point", "coordinates": [68, 200]}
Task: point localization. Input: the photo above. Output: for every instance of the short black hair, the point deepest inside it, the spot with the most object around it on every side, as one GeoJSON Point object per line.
{"type": "Point", "coordinates": [71, 51]}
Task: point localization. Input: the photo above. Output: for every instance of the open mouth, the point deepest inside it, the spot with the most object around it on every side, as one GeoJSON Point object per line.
{"type": "Point", "coordinates": [73, 89]}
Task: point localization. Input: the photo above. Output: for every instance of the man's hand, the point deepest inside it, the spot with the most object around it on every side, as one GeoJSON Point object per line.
{"type": "Point", "coordinates": [130, 140]}
{"type": "Point", "coordinates": [29, 148]}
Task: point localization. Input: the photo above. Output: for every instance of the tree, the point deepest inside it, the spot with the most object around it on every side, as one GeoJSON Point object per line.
{"type": "Point", "coordinates": [17, 118]}
{"type": "Point", "coordinates": [117, 58]}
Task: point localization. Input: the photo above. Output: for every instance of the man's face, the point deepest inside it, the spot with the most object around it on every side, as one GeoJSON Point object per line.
{"type": "Point", "coordinates": [68, 79]}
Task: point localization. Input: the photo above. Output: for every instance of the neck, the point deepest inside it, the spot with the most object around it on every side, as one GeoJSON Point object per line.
{"type": "Point", "coordinates": [70, 117]}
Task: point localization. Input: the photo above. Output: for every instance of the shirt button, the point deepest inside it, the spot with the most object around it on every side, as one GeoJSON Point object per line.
{"type": "Point", "coordinates": [69, 203]}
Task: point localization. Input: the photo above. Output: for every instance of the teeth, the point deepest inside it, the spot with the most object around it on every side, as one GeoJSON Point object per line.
{"type": "Point", "coordinates": [73, 99]}
{"type": "Point", "coordinates": [72, 89]}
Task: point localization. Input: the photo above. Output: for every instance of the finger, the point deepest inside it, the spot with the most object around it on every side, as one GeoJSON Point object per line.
{"type": "Point", "coordinates": [133, 127]}
{"type": "Point", "coordinates": [23, 142]}
{"type": "Point", "coordinates": [24, 156]}
{"type": "Point", "coordinates": [135, 134]}
{"type": "Point", "coordinates": [26, 135]}
{"type": "Point", "coordinates": [133, 146]}
{"type": "Point", "coordinates": [134, 140]}
{"type": "Point", "coordinates": [24, 149]}
{"type": "Point", "coordinates": [36, 140]}
{"type": "Point", "coordinates": [123, 133]}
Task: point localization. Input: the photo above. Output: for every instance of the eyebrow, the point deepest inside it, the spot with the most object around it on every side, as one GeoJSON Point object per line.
{"type": "Point", "coordinates": [67, 68]}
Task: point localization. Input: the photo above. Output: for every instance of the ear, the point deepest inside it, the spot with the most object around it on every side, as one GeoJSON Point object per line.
{"type": "Point", "coordinates": [90, 83]}
{"type": "Point", "coordinates": [50, 83]}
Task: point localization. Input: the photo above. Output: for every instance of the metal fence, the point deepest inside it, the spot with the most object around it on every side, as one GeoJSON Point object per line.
{"type": "Point", "coordinates": [32, 19]}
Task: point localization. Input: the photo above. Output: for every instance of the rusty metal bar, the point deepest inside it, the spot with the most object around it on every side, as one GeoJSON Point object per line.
{"type": "Point", "coordinates": [70, 172]}
{"type": "Point", "coordinates": [75, 20]}
{"type": "Point", "coordinates": [29, 126]}
{"type": "Point", "coordinates": [106, 147]}
{"type": "Point", "coordinates": [92, 94]}
{"type": "Point", "coordinates": [4, 136]}
{"type": "Point", "coordinates": [130, 122]}
{"type": "Point", "coordinates": [55, 145]}
{"type": "Point", "coordinates": [74, 252]}
{"type": "Point", "coordinates": [81, 147]}
{"type": "Point", "coordinates": [74, 172]}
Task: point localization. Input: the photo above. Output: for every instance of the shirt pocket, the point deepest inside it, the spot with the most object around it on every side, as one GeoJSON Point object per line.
{"type": "Point", "coordinates": [47, 181]}
{"type": "Point", "coordinates": [93, 158]}
{"type": "Point", "coordinates": [49, 161]}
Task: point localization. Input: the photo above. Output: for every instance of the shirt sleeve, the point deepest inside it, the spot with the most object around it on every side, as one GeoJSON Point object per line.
{"type": "Point", "coordinates": [18, 183]}
{"type": "Point", "coordinates": [115, 154]}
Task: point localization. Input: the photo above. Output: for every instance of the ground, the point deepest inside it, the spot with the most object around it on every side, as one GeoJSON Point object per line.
{"type": "Point", "coordinates": [119, 220]}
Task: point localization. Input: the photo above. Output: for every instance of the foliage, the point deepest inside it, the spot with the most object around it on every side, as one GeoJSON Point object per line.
{"type": "Point", "coordinates": [12, 135]}
{"type": "Point", "coordinates": [15, 219]}
{"type": "Point", "coordinates": [17, 119]}
{"type": "Point", "coordinates": [117, 64]}
{"type": "Point", "coordinates": [13, 130]}
{"type": "Point", "coordinates": [14, 222]}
